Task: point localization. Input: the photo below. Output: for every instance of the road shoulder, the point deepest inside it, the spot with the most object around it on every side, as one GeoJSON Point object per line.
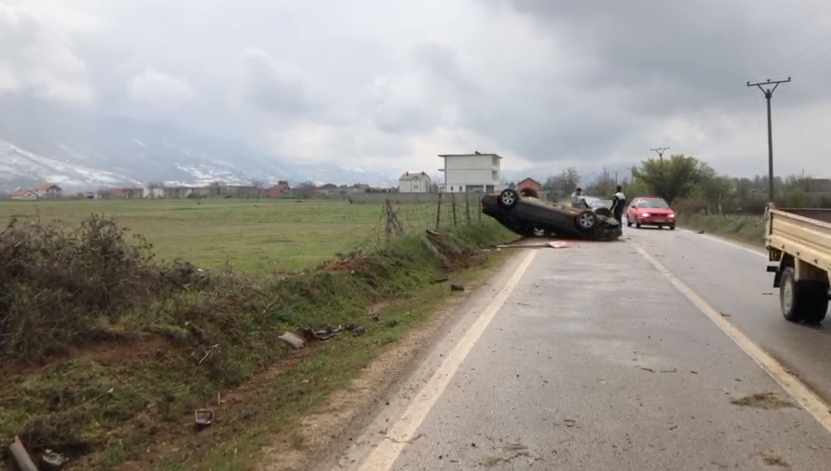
{"type": "Point", "coordinates": [322, 436]}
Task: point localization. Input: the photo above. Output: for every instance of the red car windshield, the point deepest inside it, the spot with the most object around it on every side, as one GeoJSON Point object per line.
{"type": "Point", "coordinates": [653, 204]}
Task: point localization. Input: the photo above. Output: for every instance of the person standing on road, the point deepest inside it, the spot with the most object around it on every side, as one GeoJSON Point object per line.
{"type": "Point", "coordinates": [618, 202]}
{"type": "Point", "coordinates": [577, 200]}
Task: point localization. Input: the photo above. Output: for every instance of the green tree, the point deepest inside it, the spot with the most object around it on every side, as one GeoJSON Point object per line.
{"type": "Point", "coordinates": [715, 192]}
{"type": "Point", "coordinates": [675, 177]}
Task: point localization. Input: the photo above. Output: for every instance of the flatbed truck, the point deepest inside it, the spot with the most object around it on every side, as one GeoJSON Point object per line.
{"type": "Point", "coordinates": [798, 243]}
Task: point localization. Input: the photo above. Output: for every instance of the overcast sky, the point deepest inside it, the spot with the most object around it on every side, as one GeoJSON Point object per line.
{"type": "Point", "coordinates": [394, 82]}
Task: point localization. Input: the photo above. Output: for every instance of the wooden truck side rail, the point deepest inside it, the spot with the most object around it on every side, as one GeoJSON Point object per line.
{"type": "Point", "coordinates": [799, 240]}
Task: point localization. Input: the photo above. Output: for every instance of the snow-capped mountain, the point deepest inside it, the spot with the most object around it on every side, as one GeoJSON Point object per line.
{"type": "Point", "coordinates": [41, 142]}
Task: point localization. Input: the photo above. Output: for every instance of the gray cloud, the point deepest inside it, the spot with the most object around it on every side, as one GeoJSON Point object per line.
{"type": "Point", "coordinates": [35, 60]}
{"type": "Point", "coordinates": [596, 82]}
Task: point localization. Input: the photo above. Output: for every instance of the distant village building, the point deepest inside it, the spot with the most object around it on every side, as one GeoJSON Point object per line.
{"type": "Point", "coordinates": [23, 194]}
{"type": "Point", "coordinates": [414, 182]}
{"type": "Point", "coordinates": [280, 189]}
{"type": "Point", "coordinates": [474, 173]}
{"type": "Point", "coordinates": [529, 183]}
{"type": "Point", "coordinates": [48, 190]}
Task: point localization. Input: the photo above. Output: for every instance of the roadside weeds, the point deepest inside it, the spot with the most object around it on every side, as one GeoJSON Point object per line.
{"type": "Point", "coordinates": [125, 397]}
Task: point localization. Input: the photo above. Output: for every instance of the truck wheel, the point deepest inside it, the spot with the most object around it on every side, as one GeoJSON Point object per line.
{"type": "Point", "coordinates": [805, 300]}
{"type": "Point", "coordinates": [508, 199]}
{"type": "Point", "coordinates": [586, 220]}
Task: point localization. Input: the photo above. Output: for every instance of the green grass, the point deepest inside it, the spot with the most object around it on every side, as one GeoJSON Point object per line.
{"type": "Point", "coordinates": [253, 236]}
{"type": "Point", "coordinates": [133, 384]}
{"type": "Point", "coordinates": [746, 229]}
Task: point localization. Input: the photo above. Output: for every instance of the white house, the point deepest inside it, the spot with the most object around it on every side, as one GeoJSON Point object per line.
{"type": "Point", "coordinates": [23, 194]}
{"type": "Point", "coordinates": [414, 182]}
{"type": "Point", "coordinates": [475, 173]}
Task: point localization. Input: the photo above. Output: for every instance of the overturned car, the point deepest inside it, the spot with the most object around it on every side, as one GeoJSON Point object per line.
{"type": "Point", "coordinates": [527, 215]}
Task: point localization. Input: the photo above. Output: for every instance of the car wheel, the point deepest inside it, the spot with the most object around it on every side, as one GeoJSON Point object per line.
{"type": "Point", "coordinates": [508, 199]}
{"type": "Point", "coordinates": [638, 225]}
{"type": "Point", "coordinates": [628, 221]}
{"type": "Point", "coordinates": [586, 220]}
{"type": "Point", "coordinates": [672, 227]}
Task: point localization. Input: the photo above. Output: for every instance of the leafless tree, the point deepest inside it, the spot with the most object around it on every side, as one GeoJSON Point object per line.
{"type": "Point", "coordinates": [603, 186]}
{"type": "Point", "coordinates": [259, 188]}
{"type": "Point", "coordinates": [563, 184]}
{"type": "Point", "coordinates": [305, 190]}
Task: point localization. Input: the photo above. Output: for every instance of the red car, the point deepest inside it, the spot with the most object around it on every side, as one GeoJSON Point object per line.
{"type": "Point", "coordinates": [650, 211]}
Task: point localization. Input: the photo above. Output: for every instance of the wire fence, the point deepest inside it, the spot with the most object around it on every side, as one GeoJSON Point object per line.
{"type": "Point", "coordinates": [396, 220]}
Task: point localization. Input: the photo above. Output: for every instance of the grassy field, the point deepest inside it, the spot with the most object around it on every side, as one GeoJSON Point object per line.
{"type": "Point", "coordinates": [105, 354]}
{"type": "Point", "coordinates": [251, 235]}
{"type": "Point", "coordinates": [746, 229]}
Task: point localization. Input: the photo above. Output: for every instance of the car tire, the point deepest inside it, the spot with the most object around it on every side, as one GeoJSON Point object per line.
{"type": "Point", "coordinates": [508, 199]}
{"type": "Point", "coordinates": [586, 220]}
{"type": "Point", "coordinates": [672, 227]}
{"type": "Point", "coordinates": [804, 300]}
{"type": "Point", "coordinates": [637, 225]}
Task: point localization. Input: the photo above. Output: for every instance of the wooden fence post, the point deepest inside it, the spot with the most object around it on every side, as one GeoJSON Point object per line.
{"type": "Point", "coordinates": [453, 203]}
{"type": "Point", "coordinates": [438, 213]}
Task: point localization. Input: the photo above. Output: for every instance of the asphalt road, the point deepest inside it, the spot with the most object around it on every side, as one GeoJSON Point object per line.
{"type": "Point", "coordinates": [597, 357]}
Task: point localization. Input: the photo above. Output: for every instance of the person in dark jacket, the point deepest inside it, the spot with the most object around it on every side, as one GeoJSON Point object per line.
{"type": "Point", "coordinates": [618, 203]}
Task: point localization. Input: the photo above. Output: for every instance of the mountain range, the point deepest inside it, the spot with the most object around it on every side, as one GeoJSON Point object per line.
{"type": "Point", "coordinates": [42, 142]}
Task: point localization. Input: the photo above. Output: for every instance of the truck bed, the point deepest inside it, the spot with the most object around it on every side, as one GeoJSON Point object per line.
{"type": "Point", "coordinates": [801, 233]}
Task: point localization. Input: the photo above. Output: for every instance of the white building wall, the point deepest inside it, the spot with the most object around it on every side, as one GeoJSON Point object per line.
{"type": "Point", "coordinates": [463, 171]}
{"type": "Point", "coordinates": [417, 184]}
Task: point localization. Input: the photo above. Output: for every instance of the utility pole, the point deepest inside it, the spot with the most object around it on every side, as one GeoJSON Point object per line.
{"type": "Point", "coordinates": [660, 151]}
{"type": "Point", "coordinates": [768, 95]}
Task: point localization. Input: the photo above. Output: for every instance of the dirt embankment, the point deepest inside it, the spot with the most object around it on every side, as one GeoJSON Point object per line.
{"type": "Point", "coordinates": [106, 354]}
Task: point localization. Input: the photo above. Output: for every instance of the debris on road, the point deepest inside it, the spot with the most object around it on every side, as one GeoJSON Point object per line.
{"type": "Point", "coordinates": [763, 401]}
{"type": "Point", "coordinates": [51, 460]}
{"type": "Point", "coordinates": [21, 456]}
{"type": "Point", "coordinates": [772, 459]}
{"type": "Point", "coordinates": [328, 332]}
{"type": "Point", "coordinates": [293, 340]}
{"type": "Point", "coordinates": [203, 417]}
{"type": "Point", "coordinates": [558, 244]}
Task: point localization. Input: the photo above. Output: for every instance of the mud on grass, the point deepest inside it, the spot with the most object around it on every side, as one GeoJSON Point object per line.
{"type": "Point", "coordinates": [123, 387]}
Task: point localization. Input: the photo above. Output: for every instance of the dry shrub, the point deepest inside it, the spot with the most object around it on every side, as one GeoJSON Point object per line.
{"type": "Point", "coordinates": [56, 283]}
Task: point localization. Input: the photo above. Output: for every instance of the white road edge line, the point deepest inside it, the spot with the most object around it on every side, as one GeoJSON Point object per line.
{"type": "Point", "coordinates": [795, 388]}
{"type": "Point", "coordinates": [383, 457]}
{"type": "Point", "coordinates": [727, 243]}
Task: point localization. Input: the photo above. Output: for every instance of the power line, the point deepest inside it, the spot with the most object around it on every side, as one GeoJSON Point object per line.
{"type": "Point", "coordinates": [768, 95]}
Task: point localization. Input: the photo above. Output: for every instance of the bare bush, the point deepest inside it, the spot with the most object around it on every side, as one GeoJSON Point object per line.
{"type": "Point", "coordinates": [57, 283]}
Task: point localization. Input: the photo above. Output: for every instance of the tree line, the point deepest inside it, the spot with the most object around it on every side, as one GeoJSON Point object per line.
{"type": "Point", "coordinates": [691, 185]}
